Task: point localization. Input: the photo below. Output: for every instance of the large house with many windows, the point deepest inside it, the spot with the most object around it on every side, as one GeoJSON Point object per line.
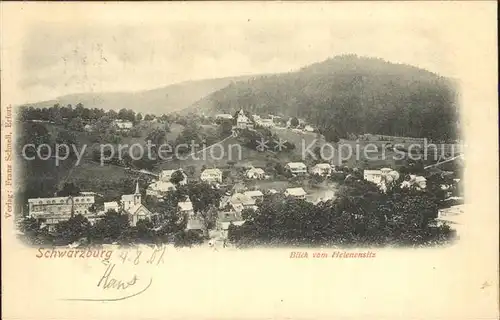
{"type": "Point", "coordinates": [51, 211]}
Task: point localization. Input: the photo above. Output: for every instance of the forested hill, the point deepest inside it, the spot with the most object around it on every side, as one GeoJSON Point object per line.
{"type": "Point", "coordinates": [350, 94]}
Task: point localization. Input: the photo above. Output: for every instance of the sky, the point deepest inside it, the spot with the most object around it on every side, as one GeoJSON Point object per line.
{"type": "Point", "coordinates": [81, 47]}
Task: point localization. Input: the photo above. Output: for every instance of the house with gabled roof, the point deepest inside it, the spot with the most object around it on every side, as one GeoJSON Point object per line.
{"type": "Point", "coordinates": [296, 193]}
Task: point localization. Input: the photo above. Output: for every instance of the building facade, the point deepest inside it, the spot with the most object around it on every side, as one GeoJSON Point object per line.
{"type": "Point", "coordinates": [296, 193]}
{"type": "Point", "coordinates": [242, 120]}
{"type": "Point", "coordinates": [211, 175]}
{"type": "Point", "coordinates": [51, 211]}
{"type": "Point", "coordinates": [296, 168]}
{"type": "Point", "coordinates": [321, 169]}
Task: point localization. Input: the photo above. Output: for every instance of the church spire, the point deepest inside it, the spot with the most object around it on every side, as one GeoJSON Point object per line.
{"type": "Point", "coordinates": [137, 187]}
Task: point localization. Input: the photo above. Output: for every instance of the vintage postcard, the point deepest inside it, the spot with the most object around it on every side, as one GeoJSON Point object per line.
{"type": "Point", "coordinates": [260, 160]}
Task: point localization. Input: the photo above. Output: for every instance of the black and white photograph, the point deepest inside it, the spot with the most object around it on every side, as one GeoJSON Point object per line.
{"type": "Point", "coordinates": [331, 134]}
{"type": "Point", "coordinates": [310, 146]}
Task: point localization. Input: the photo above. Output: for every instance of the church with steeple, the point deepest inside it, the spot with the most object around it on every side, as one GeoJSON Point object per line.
{"type": "Point", "coordinates": [132, 205]}
{"type": "Point", "coordinates": [242, 121]}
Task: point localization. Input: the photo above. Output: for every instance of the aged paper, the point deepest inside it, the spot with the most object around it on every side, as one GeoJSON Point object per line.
{"type": "Point", "coordinates": [210, 160]}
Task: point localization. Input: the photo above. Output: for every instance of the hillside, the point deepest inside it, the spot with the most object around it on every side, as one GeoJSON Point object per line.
{"type": "Point", "coordinates": [156, 101]}
{"type": "Point", "coordinates": [350, 94]}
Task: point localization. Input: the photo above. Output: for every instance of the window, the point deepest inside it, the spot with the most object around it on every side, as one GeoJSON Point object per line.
{"type": "Point", "coordinates": [77, 200]}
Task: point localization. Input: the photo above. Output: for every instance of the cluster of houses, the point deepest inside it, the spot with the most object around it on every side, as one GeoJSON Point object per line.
{"type": "Point", "coordinates": [243, 121]}
{"type": "Point", "coordinates": [120, 125]}
{"type": "Point", "coordinates": [383, 177]}
{"type": "Point", "coordinates": [50, 211]}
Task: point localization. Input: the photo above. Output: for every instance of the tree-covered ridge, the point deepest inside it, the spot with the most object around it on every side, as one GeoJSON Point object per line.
{"type": "Point", "coordinates": [360, 215]}
{"type": "Point", "coordinates": [352, 95]}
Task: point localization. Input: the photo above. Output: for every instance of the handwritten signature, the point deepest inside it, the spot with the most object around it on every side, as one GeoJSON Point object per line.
{"type": "Point", "coordinates": [107, 282]}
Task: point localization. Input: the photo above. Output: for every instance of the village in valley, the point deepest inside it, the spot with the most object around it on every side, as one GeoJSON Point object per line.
{"type": "Point", "coordinates": [190, 202]}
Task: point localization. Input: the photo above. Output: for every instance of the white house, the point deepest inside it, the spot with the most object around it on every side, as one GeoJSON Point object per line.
{"type": "Point", "coordinates": [88, 128]}
{"type": "Point", "coordinates": [374, 176]}
{"type": "Point", "coordinates": [113, 205]}
{"type": "Point", "coordinates": [296, 168]}
{"type": "Point", "coordinates": [266, 123]}
{"type": "Point", "coordinates": [211, 175]}
{"type": "Point", "coordinates": [297, 193]}
{"type": "Point", "coordinates": [166, 175]}
{"type": "Point", "coordinates": [195, 223]}
{"type": "Point", "coordinates": [123, 125]}
{"type": "Point", "coordinates": [381, 177]}
{"type": "Point", "coordinates": [160, 188]}
{"type": "Point", "coordinates": [322, 169]}
{"type": "Point", "coordinates": [186, 208]}
{"type": "Point", "coordinates": [419, 182]}
{"type": "Point", "coordinates": [132, 205]}
{"type": "Point", "coordinates": [255, 173]}
{"type": "Point", "coordinates": [254, 194]}
{"type": "Point", "coordinates": [242, 120]}
{"type": "Point", "coordinates": [308, 128]}
{"type": "Point", "coordinates": [255, 117]}
{"type": "Point", "coordinates": [241, 201]}
{"type": "Point", "coordinates": [224, 116]}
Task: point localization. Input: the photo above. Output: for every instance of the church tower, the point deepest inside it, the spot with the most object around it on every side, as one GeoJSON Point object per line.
{"type": "Point", "coordinates": [137, 194]}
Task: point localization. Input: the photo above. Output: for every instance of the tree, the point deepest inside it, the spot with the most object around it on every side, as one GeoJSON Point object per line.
{"type": "Point", "coordinates": [209, 217]}
{"type": "Point", "coordinates": [294, 122]}
{"type": "Point", "coordinates": [111, 114]}
{"type": "Point", "coordinates": [74, 229]}
{"type": "Point", "coordinates": [138, 117]}
{"type": "Point", "coordinates": [148, 117]}
{"type": "Point", "coordinates": [164, 118]}
{"type": "Point", "coordinates": [30, 228]}
{"type": "Point", "coordinates": [202, 195]}
{"type": "Point", "coordinates": [331, 135]}
{"type": "Point", "coordinates": [157, 137]}
{"type": "Point", "coordinates": [76, 124]}
{"type": "Point", "coordinates": [187, 238]}
{"type": "Point", "coordinates": [166, 127]}
{"type": "Point", "coordinates": [177, 177]}
{"type": "Point", "coordinates": [225, 128]}
{"type": "Point", "coordinates": [69, 189]}
{"type": "Point", "coordinates": [112, 227]}
{"type": "Point", "coordinates": [248, 214]}
{"type": "Point", "coordinates": [144, 230]}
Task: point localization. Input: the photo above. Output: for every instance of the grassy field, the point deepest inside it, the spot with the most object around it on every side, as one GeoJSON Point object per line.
{"type": "Point", "coordinates": [44, 178]}
{"type": "Point", "coordinates": [218, 155]}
